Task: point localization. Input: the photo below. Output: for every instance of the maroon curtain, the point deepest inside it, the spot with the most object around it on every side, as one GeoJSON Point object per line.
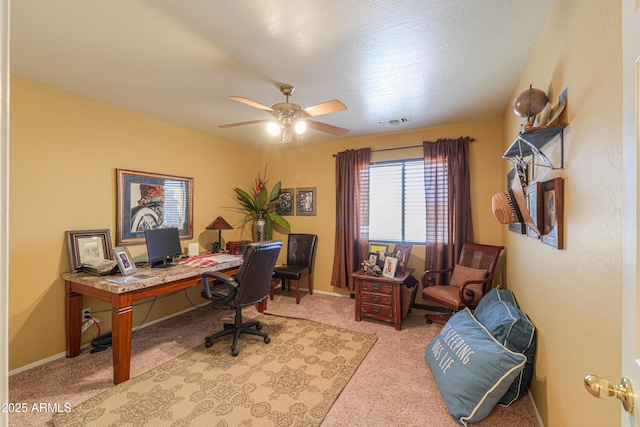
{"type": "Point", "coordinates": [447, 188]}
{"type": "Point", "coordinates": [352, 215]}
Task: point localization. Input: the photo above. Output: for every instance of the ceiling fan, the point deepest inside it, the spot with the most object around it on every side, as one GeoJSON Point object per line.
{"type": "Point", "coordinates": [291, 120]}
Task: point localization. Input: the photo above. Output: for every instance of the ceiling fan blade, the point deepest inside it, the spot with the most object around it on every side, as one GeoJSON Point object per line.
{"type": "Point", "coordinates": [232, 125]}
{"type": "Point", "coordinates": [251, 103]}
{"type": "Point", "coordinates": [324, 108]}
{"type": "Point", "coordinates": [323, 127]}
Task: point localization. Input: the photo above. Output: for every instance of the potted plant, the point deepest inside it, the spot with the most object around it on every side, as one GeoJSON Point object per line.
{"type": "Point", "coordinates": [261, 207]}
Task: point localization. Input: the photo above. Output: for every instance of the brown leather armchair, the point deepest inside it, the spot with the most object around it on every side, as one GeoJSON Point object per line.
{"type": "Point", "coordinates": [470, 279]}
{"type": "Point", "coordinates": [249, 286]}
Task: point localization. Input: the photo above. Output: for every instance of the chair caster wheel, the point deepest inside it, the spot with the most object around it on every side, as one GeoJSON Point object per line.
{"type": "Point", "coordinates": [235, 352]}
{"type": "Point", "coordinates": [429, 321]}
{"type": "Point", "coordinates": [258, 326]}
{"type": "Point", "coordinates": [267, 340]}
{"type": "Point", "coordinates": [207, 342]}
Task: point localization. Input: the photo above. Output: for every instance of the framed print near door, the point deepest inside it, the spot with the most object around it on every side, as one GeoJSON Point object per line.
{"type": "Point", "coordinates": [147, 201]}
{"type": "Point", "coordinates": [519, 227]}
{"type": "Point", "coordinates": [553, 210]}
{"type": "Point", "coordinates": [533, 194]}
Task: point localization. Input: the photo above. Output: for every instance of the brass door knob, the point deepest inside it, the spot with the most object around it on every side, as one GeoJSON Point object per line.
{"type": "Point", "coordinates": [603, 389]}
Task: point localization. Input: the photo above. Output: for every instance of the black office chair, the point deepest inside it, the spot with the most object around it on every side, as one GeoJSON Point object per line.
{"type": "Point", "coordinates": [250, 285]}
{"type": "Point", "coordinates": [300, 250]}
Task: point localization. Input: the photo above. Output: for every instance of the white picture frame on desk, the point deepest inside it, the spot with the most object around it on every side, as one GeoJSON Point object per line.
{"type": "Point", "coordinates": [124, 260]}
{"type": "Point", "coordinates": [390, 266]}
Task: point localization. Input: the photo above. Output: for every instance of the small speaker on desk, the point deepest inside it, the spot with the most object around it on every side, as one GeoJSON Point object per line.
{"type": "Point", "coordinates": [194, 249]}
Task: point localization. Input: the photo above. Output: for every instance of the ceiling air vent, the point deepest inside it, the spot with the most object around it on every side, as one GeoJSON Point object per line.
{"type": "Point", "coordinates": [395, 122]}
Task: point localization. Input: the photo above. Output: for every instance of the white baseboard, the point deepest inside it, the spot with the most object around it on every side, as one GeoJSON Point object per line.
{"type": "Point", "coordinates": [535, 409]}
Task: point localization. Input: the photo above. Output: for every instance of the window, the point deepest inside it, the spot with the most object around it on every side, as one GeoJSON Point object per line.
{"type": "Point", "coordinates": [398, 200]}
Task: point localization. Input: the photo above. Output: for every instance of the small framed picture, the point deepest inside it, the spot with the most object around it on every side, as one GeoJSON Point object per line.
{"type": "Point", "coordinates": [390, 265]}
{"type": "Point", "coordinates": [378, 247]}
{"type": "Point", "coordinates": [125, 262]}
{"type": "Point", "coordinates": [286, 201]}
{"type": "Point", "coordinates": [519, 227]}
{"type": "Point", "coordinates": [85, 246]}
{"type": "Point", "coordinates": [552, 207]}
{"type": "Point", "coordinates": [402, 253]}
{"type": "Point", "coordinates": [306, 201]}
{"type": "Point", "coordinates": [533, 194]}
{"type": "Point", "coordinates": [373, 257]}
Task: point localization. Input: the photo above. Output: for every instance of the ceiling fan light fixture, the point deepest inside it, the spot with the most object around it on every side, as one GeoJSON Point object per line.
{"type": "Point", "coordinates": [301, 127]}
{"type": "Point", "coordinates": [273, 128]}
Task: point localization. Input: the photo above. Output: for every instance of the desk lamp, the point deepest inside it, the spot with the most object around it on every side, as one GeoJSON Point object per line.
{"type": "Point", "coordinates": [218, 224]}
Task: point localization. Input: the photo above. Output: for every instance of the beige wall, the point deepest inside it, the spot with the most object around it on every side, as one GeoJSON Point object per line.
{"type": "Point", "coordinates": [64, 153]}
{"type": "Point", "coordinates": [573, 295]}
{"type": "Point", "coordinates": [314, 166]}
{"type": "Point", "coordinates": [65, 149]}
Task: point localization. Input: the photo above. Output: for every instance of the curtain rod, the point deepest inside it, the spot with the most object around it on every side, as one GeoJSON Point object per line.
{"type": "Point", "coordinates": [404, 148]}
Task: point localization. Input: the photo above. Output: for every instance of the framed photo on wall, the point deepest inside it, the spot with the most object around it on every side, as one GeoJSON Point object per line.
{"type": "Point", "coordinates": [286, 201]}
{"type": "Point", "coordinates": [84, 246]}
{"type": "Point", "coordinates": [553, 210]}
{"type": "Point", "coordinates": [306, 201]}
{"type": "Point", "coordinates": [518, 228]}
{"type": "Point", "coordinates": [147, 201]}
{"type": "Point", "coordinates": [533, 194]}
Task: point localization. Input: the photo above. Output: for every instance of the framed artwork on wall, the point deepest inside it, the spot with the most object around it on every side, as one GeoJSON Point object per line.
{"type": "Point", "coordinates": [306, 201]}
{"type": "Point", "coordinates": [286, 201]}
{"type": "Point", "coordinates": [147, 201]}
{"type": "Point", "coordinates": [84, 246]}
{"type": "Point", "coordinates": [553, 211]}
{"type": "Point", "coordinates": [518, 228]}
{"type": "Point", "coordinates": [533, 194]}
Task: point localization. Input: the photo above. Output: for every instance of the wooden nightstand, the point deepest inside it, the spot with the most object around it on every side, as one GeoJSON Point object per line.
{"type": "Point", "coordinates": [382, 298]}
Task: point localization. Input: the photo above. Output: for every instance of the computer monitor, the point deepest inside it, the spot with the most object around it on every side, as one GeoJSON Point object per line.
{"type": "Point", "coordinates": [163, 244]}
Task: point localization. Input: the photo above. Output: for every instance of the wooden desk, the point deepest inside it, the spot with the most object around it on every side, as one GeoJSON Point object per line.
{"type": "Point", "coordinates": [381, 298]}
{"type": "Point", "coordinates": [122, 297]}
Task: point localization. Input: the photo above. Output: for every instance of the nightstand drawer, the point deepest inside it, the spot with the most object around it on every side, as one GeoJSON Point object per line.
{"type": "Point", "coordinates": [376, 287]}
{"type": "Point", "coordinates": [379, 310]}
{"type": "Point", "coordinates": [379, 299]}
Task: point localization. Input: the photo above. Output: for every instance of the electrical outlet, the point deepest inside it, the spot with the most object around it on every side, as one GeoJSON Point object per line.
{"type": "Point", "coordinates": [86, 314]}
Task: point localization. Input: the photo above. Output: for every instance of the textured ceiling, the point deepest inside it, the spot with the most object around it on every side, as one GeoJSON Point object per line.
{"type": "Point", "coordinates": [438, 62]}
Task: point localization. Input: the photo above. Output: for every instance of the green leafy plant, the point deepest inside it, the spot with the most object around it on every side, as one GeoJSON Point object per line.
{"type": "Point", "coordinates": [259, 202]}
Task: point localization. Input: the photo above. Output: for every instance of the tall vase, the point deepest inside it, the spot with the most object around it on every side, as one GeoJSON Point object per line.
{"type": "Point", "coordinates": [260, 234]}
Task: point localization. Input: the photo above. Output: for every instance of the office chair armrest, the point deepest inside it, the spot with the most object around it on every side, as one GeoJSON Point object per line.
{"type": "Point", "coordinates": [467, 295]}
{"type": "Point", "coordinates": [428, 277]}
{"type": "Point", "coordinates": [227, 280]}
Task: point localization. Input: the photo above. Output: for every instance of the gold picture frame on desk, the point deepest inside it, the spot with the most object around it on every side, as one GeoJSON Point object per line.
{"type": "Point", "coordinates": [84, 246]}
{"type": "Point", "coordinates": [149, 201]}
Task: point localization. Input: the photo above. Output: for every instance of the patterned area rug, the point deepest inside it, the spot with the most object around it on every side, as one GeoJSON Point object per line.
{"type": "Point", "coordinates": [292, 381]}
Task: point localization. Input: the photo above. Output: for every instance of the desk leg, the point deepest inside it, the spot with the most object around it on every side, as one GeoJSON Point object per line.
{"type": "Point", "coordinates": [397, 306]}
{"type": "Point", "coordinates": [73, 314]}
{"type": "Point", "coordinates": [358, 300]}
{"type": "Point", "coordinates": [121, 322]}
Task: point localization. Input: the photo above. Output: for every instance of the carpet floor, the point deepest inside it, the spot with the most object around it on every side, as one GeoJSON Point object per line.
{"type": "Point", "coordinates": [392, 386]}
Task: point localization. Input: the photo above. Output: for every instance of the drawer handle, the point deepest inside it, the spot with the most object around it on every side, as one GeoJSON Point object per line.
{"type": "Point", "coordinates": [375, 309]}
{"type": "Point", "coordinates": [376, 286]}
{"type": "Point", "coordinates": [375, 298]}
